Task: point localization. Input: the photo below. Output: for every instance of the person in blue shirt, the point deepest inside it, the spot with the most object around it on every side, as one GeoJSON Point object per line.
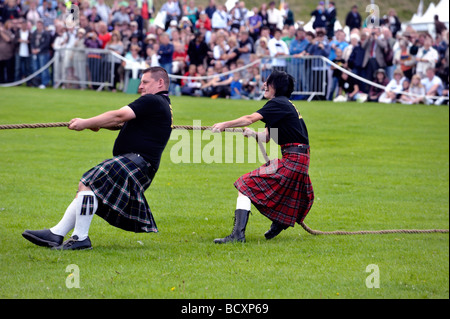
{"type": "Point", "coordinates": [299, 44]}
{"type": "Point", "coordinates": [338, 43]}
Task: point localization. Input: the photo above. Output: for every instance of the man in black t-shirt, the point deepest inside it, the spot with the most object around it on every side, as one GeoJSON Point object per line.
{"type": "Point", "coordinates": [281, 189]}
{"type": "Point", "coordinates": [114, 189]}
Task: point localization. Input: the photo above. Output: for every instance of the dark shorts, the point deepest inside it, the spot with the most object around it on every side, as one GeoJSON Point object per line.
{"type": "Point", "coordinates": [119, 184]}
{"type": "Point", "coordinates": [281, 189]}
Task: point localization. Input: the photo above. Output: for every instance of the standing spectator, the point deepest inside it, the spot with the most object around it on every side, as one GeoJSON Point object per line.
{"type": "Point", "coordinates": [353, 19]}
{"type": "Point", "coordinates": [288, 15]}
{"type": "Point", "coordinates": [94, 16]}
{"type": "Point", "coordinates": [197, 50]}
{"type": "Point", "coordinates": [220, 19]}
{"type": "Point", "coordinates": [374, 47]}
{"type": "Point", "coordinates": [116, 46]}
{"type": "Point", "coordinates": [93, 58]}
{"type": "Point", "coordinates": [103, 10]}
{"type": "Point", "coordinates": [264, 16]}
{"type": "Point", "coordinates": [245, 46]}
{"type": "Point", "coordinates": [438, 25]}
{"type": "Point", "coordinates": [274, 18]}
{"type": "Point", "coordinates": [79, 58]}
{"type": "Point", "coordinates": [393, 22]}
{"type": "Point", "coordinates": [299, 44]}
{"type": "Point", "coordinates": [278, 48]}
{"type": "Point", "coordinates": [289, 36]}
{"type": "Point", "coordinates": [32, 15]}
{"type": "Point", "coordinates": [40, 49]}
{"type": "Point", "coordinates": [335, 73]}
{"type": "Point", "coordinates": [7, 44]}
{"type": "Point", "coordinates": [23, 55]}
{"type": "Point", "coordinates": [375, 92]}
{"type": "Point", "coordinates": [262, 51]}
{"type": "Point", "coordinates": [47, 13]}
{"type": "Point", "coordinates": [404, 60]}
{"type": "Point", "coordinates": [10, 11]}
{"type": "Point", "coordinates": [338, 43]}
{"type": "Point", "coordinates": [320, 46]}
{"type": "Point", "coordinates": [121, 16]}
{"type": "Point", "coordinates": [165, 52]}
{"type": "Point", "coordinates": [254, 24]}
{"type": "Point", "coordinates": [320, 16]}
{"type": "Point", "coordinates": [173, 12]}
{"type": "Point", "coordinates": [211, 8]}
{"type": "Point", "coordinates": [426, 57]}
{"type": "Point", "coordinates": [103, 35]}
{"type": "Point", "coordinates": [331, 13]}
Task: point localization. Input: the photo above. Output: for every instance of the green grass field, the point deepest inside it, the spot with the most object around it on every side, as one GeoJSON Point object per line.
{"type": "Point", "coordinates": [373, 167]}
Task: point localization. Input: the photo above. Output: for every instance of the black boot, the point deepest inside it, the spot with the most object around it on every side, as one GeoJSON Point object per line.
{"type": "Point", "coordinates": [238, 233]}
{"type": "Point", "coordinates": [274, 230]}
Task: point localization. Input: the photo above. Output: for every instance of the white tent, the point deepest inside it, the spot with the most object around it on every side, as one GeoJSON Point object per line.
{"type": "Point", "coordinates": [425, 22]}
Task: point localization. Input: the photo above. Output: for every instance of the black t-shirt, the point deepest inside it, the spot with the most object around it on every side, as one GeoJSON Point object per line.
{"type": "Point", "coordinates": [347, 85]}
{"type": "Point", "coordinates": [149, 132]}
{"type": "Point", "coordinates": [279, 113]}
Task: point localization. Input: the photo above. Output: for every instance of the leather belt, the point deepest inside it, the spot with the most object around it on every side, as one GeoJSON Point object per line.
{"type": "Point", "coordinates": [141, 163]}
{"type": "Point", "coordinates": [301, 149]}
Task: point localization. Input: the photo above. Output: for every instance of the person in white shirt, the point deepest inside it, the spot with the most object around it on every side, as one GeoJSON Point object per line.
{"type": "Point", "coordinates": [274, 17]}
{"type": "Point", "coordinates": [433, 85]}
{"type": "Point", "coordinates": [220, 18]}
{"type": "Point", "coordinates": [426, 57]}
{"type": "Point", "coordinates": [277, 48]}
{"type": "Point", "coordinates": [393, 88]}
{"type": "Point", "coordinates": [23, 58]}
{"type": "Point", "coordinates": [103, 10]}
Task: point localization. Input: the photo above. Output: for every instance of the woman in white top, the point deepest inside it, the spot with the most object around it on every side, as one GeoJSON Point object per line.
{"type": "Point", "coordinates": [393, 88]}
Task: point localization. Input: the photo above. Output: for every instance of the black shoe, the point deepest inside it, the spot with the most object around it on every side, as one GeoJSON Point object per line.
{"type": "Point", "coordinates": [274, 230]}
{"type": "Point", "coordinates": [43, 237]}
{"type": "Point", "coordinates": [238, 233]}
{"type": "Point", "coordinates": [74, 244]}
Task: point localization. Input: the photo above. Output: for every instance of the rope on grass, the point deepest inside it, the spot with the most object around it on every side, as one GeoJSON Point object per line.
{"type": "Point", "coordinates": [263, 151]}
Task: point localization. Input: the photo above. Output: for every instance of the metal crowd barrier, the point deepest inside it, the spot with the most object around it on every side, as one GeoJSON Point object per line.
{"type": "Point", "coordinates": [82, 68]}
{"type": "Point", "coordinates": [310, 73]}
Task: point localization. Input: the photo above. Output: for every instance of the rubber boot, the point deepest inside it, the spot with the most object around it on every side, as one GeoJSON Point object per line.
{"type": "Point", "coordinates": [238, 233]}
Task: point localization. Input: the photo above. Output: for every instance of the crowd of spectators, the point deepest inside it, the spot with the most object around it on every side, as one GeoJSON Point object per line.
{"type": "Point", "coordinates": [192, 40]}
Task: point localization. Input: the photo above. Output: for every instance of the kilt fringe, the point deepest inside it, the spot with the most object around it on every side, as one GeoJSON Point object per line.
{"type": "Point", "coordinates": [281, 189]}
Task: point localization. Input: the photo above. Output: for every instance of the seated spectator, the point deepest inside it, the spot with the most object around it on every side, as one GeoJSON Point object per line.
{"type": "Point", "coordinates": [375, 92]}
{"type": "Point", "coordinates": [173, 12]}
{"type": "Point", "coordinates": [189, 86]}
{"type": "Point", "coordinates": [433, 85]}
{"type": "Point", "coordinates": [197, 50]}
{"type": "Point", "coordinates": [393, 89]}
{"type": "Point", "coordinates": [348, 87]}
{"type": "Point", "coordinates": [203, 21]}
{"type": "Point", "coordinates": [415, 88]}
{"type": "Point", "coordinates": [220, 18]}
{"type": "Point", "coordinates": [236, 87]}
{"type": "Point", "coordinates": [121, 16]}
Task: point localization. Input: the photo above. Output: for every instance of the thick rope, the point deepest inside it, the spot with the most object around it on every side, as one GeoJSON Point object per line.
{"type": "Point", "coordinates": [263, 151]}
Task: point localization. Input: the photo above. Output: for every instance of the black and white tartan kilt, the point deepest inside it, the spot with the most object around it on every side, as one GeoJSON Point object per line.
{"type": "Point", "coordinates": [119, 184]}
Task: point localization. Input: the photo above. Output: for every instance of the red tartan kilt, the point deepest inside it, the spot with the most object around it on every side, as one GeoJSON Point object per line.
{"type": "Point", "coordinates": [281, 189]}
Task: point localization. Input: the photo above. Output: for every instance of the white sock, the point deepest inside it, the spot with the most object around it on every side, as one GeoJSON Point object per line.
{"type": "Point", "coordinates": [243, 202]}
{"type": "Point", "coordinates": [67, 223]}
{"type": "Point", "coordinates": [87, 205]}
